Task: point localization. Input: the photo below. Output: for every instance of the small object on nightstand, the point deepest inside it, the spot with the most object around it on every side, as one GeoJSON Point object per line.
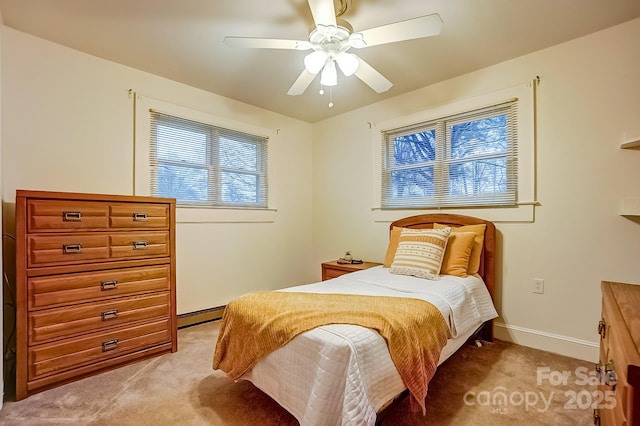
{"type": "Point", "coordinates": [348, 259]}
{"type": "Point", "coordinates": [344, 261]}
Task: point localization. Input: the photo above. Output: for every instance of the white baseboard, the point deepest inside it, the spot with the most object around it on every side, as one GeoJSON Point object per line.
{"type": "Point", "coordinates": [563, 345]}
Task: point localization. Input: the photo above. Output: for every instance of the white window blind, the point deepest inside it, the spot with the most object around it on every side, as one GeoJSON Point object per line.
{"type": "Point", "coordinates": [207, 166]}
{"type": "Point", "coordinates": [467, 159]}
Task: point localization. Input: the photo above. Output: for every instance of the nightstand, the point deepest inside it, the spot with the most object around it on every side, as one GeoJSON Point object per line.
{"type": "Point", "coordinates": [334, 269]}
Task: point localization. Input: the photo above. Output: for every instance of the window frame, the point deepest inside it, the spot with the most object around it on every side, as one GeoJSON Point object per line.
{"type": "Point", "coordinates": [212, 164]}
{"type": "Point", "coordinates": [523, 210]}
{"type": "Point", "coordinates": [443, 161]}
{"type": "Point", "coordinates": [142, 105]}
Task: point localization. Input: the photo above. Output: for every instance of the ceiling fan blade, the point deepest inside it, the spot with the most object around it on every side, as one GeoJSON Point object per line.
{"type": "Point", "coordinates": [323, 11]}
{"type": "Point", "coordinates": [371, 77]}
{"type": "Point", "coordinates": [302, 82]}
{"type": "Point", "coordinates": [266, 43]}
{"type": "Point", "coordinates": [423, 26]}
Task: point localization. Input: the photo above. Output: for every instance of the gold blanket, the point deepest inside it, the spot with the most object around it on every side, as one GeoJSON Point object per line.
{"type": "Point", "coordinates": [257, 323]}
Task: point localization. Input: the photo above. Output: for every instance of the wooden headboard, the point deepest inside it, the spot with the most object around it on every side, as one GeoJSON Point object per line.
{"type": "Point", "coordinates": [488, 258]}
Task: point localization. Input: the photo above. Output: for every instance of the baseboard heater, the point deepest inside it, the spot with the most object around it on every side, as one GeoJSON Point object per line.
{"type": "Point", "coordinates": [199, 317]}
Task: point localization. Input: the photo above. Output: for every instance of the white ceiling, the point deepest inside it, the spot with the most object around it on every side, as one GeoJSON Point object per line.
{"type": "Point", "coordinates": [182, 40]}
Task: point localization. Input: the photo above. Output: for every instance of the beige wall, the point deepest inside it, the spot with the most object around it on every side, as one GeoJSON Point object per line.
{"type": "Point", "coordinates": [588, 103]}
{"type": "Point", "coordinates": [69, 127]}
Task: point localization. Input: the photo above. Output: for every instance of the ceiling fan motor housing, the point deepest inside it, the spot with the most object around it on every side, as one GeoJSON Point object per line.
{"type": "Point", "coordinates": [331, 39]}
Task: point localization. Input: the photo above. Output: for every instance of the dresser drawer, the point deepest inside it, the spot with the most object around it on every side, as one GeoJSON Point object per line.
{"type": "Point", "coordinates": [57, 290]}
{"type": "Point", "coordinates": [84, 318]}
{"type": "Point", "coordinates": [605, 417]}
{"type": "Point", "coordinates": [618, 362]}
{"type": "Point", "coordinates": [139, 244]}
{"type": "Point", "coordinates": [52, 358]}
{"type": "Point", "coordinates": [614, 344]}
{"type": "Point", "coordinates": [139, 216]}
{"type": "Point", "coordinates": [70, 249]}
{"type": "Point", "coordinates": [612, 412]}
{"type": "Point", "coordinates": [67, 249]}
{"type": "Point", "coordinates": [64, 216]}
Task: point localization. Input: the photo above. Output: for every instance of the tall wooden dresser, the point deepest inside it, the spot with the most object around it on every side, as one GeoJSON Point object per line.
{"type": "Point", "coordinates": [620, 355]}
{"type": "Point", "coordinates": [95, 284]}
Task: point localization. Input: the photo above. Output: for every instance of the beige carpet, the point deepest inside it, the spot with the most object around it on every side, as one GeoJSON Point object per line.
{"type": "Point", "coordinates": [182, 388]}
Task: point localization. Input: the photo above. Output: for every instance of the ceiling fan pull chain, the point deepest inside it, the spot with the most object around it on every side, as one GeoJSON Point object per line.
{"type": "Point", "coordinates": [330, 97]}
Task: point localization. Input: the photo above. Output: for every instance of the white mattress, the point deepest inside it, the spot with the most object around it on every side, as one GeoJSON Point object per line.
{"type": "Point", "coordinates": [342, 374]}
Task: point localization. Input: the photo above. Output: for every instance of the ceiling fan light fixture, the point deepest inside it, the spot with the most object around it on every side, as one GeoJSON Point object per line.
{"type": "Point", "coordinates": [314, 61]}
{"type": "Point", "coordinates": [357, 40]}
{"type": "Point", "coordinates": [348, 63]}
{"type": "Point", "coordinates": [332, 37]}
{"type": "Point", "coordinates": [329, 76]}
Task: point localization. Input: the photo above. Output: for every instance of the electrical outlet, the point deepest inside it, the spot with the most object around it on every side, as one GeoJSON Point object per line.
{"type": "Point", "coordinates": [538, 285]}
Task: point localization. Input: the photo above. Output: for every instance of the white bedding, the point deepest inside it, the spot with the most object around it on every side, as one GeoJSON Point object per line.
{"type": "Point", "coordinates": [342, 374]}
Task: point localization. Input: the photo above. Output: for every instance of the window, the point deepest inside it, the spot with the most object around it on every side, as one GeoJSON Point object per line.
{"type": "Point", "coordinates": [468, 159]}
{"type": "Point", "coordinates": [204, 165]}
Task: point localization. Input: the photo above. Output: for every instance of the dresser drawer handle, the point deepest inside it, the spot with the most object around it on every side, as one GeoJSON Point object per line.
{"type": "Point", "coordinates": [139, 245]}
{"type": "Point", "coordinates": [139, 217]}
{"type": "Point", "coordinates": [72, 217]}
{"type": "Point", "coordinates": [107, 315]}
{"type": "Point", "coordinates": [610, 376]}
{"type": "Point", "coordinates": [109, 345]}
{"type": "Point", "coordinates": [71, 248]}
{"type": "Point", "coordinates": [600, 373]}
{"type": "Point", "coordinates": [602, 329]}
{"type": "Point", "coordinates": [109, 285]}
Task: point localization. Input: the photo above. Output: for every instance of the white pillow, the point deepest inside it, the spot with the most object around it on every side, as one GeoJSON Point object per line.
{"type": "Point", "coordinates": [420, 252]}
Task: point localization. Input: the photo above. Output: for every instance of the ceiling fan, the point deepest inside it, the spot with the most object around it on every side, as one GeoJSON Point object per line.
{"type": "Point", "coordinates": [332, 38]}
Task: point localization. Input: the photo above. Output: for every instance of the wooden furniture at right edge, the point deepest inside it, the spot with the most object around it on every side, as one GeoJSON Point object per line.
{"type": "Point", "coordinates": [619, 355]}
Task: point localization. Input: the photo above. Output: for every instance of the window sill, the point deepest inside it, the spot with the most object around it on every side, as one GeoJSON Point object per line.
{"type": "Point", "coordinates": [224, 215]}
{"type": "Point", "coordinates": [522, 213]}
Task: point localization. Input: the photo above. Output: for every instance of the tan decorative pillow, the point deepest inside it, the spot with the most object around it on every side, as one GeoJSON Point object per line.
{"type": "Point", "coordinates": [420, 252]}
{"type": "Point", "coordinates": [394, 239]}
{"type": "Point", "coordinates": [476, 251]}
{"type": "Point", "coordinates": [457, 253]}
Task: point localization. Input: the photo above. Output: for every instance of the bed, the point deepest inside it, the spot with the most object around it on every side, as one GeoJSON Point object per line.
{"type": "Point", "coordinates": [342, 373]}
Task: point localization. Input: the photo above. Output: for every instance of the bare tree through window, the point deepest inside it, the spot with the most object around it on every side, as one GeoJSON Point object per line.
{"type": "Point", "coordinates": [201, 164]}
{"type": "Point", "coordinates": [467, 159]}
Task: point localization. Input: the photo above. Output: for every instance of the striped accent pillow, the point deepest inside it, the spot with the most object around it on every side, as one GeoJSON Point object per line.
{"type": "Point", "coordinates": [420, 252]}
